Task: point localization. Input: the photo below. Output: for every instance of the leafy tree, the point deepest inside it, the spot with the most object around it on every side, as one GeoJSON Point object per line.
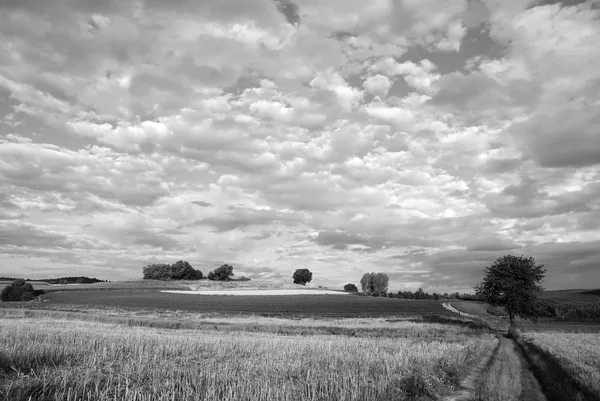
{"type": "Point", "coordinates": [365, 283]}
{"type": "Point", "coordinates": [513, 283]}
{"type": "Point", "coordinates": [374, 283]}
{"type": "Point", "coordinates": [180, 270]}
{"type": "Point", "coordinates": [350, 287]}
{"type": "Point", "coordinates": [223, 273]}
{"type": "Point", "coordinates": [302, 276]}
{"type": "Point", "coordinates": [18, 290]}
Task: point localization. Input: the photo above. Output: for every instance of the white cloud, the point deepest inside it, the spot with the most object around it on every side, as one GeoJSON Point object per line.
{"type": "Point", "coordinates": [347, 137]}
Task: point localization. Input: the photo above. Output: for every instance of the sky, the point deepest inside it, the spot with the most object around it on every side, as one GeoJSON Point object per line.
{"type": "Point", "coordinates": [423, 139]}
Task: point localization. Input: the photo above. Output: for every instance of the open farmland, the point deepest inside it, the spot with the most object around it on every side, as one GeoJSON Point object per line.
{"type": "Point", "coordinates": [47, 359]}
{"type": "Point", "coordinates": [265, 305]}
{"type": "Point", "coordinates": [567, 364]}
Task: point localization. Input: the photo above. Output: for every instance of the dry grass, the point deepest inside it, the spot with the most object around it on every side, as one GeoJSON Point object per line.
{"type": "Point", "coordinates": [576, 355]}
{"type": "Point", "coordinates": [49, 358]}
{"type": "Point", "coordinates": [501, 381]}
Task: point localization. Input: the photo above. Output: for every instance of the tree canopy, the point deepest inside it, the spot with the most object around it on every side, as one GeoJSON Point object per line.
{"type": "Point", "coordinates": [302, 276]}
{"type": "Point", "coordinates": [222, 273]}
{"type": "Point", "coordinates": [375, 283]}
{"type": "Point", "coordinates": [180, 270]}
{"type": "Point", "coordinates": [18, 290]}
{"type": "Point", "coordinates": [513, 283]}
{"type": "Point", "coordinates": [350, 287]}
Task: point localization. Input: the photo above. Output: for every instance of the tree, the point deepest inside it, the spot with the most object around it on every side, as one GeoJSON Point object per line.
{"type": "Point", "coordinates": [223, 273]}
{"type": "Point", "coordinates": [513, 283]}
{"type": "Point", "coordinates": [374, 283]}
{"type": "Point", "coordinates": [350, 288]}
{"type": "Point", "coordinates": [18, 290]}
{"type": "Point", "coordinates": [180, 270]}
{"type": "Point", "coordinates": [302, 276]}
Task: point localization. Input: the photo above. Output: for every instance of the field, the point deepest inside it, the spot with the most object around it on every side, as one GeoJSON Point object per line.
{"type": "Point", "coordinates": [569, 363]}
{"type": "Point", "coordinates": [49, 359]}
{"type": "Point", "coordinates": [131, 341]}
{"type": "Point", "coordinates": [291, 305]}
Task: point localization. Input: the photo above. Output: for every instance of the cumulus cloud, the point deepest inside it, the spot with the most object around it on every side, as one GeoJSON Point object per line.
{"type": "Point", "coordinates": [416, 138]}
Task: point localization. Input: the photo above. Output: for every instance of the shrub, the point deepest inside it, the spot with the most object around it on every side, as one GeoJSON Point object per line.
{"type": "Point", "coordinates": [350, 287]}
{"type": "Point", "coordinates": [302, 276]}
{"type": "Point", "coordinates": [17, 291]}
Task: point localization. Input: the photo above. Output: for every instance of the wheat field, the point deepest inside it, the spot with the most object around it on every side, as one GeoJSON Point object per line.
{"type": "Point", "coordinates": [51, 359]}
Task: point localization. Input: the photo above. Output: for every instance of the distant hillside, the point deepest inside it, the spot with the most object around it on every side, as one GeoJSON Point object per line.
{"type": "Point", "coordinates": [570, 304]}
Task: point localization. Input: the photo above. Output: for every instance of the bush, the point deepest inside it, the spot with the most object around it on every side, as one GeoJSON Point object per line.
{"type": "Point", "coordinates": [180, 270]}
{"type": "Point", "coordinates": [350, 287]}
{"type": "Point", "coordinates": [302, 276]}
{"type": "Point", "coordinates": [223, 273]}
{"type": "Point", "coordinates": [17, 291]}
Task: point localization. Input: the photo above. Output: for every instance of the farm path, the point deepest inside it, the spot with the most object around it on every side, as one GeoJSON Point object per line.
{"type": "Point", "coordinates": [470, 384]}
{"type": "Point", "coordinates": [469, 391]}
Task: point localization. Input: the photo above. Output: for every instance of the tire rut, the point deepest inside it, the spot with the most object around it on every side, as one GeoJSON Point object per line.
{"type": "Point", "coordinates": [470, 384]}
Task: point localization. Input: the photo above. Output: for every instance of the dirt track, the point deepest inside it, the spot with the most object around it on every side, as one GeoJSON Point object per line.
{"type": "Point", "coordinates": [530, 387]}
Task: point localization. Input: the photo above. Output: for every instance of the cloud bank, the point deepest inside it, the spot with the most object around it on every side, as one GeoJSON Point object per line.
{"type": "Point", "coordinates": [406, 137]}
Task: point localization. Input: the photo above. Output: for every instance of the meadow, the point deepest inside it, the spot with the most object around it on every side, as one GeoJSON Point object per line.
{"type": "Point", "coordinates": [54, 359]}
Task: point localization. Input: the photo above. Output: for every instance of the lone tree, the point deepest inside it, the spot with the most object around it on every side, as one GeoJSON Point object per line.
{"type": "Point", "coordinates": [513, 283]}
{"type": "Point", "coordinates": [223, 273]}
{"type": "Point", "coordinates": [302, 276]}
{"type": "Point", "coordinates": [350, 288]}
{"type": "Point", "coordinates": [374, 283]}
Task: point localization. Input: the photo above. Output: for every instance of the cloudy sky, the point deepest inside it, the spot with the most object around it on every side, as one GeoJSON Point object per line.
{"type": "Point", "coordinates": [423, 138]}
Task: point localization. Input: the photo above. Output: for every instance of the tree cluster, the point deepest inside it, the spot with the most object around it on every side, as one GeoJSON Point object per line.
{"type": "Point", "coordinates": [375, 284]}
{"type": "Point", "coordinates": [180, 270]}
{"type": "Point", "coordinates": [223, 273]}
{"type": "Point", "coordinates": [420, 294]}
{"type": "Point", "coordinates": [350, 287]}
{"type": "Point", "coordinates": [19, 290]}
{"type": "Point", "coordinates": [302, 276]}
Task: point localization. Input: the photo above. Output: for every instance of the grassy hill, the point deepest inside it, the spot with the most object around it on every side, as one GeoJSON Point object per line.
{"type": "Point", "coordinates": [571, 304]}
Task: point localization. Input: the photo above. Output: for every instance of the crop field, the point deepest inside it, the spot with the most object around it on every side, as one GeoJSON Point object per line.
{"type": "Point", "coordinates": [569, 361]}
{"type": "Point", "coordinates": [48, 359]}
{"type": "Point", "coordinates": [291, 305]}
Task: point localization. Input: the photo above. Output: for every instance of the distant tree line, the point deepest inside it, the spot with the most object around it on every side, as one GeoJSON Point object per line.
{"type": "Point", "coordinates": [61, 280]}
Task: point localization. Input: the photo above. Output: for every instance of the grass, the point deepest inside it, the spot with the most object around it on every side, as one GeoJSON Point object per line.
{"type": "Point", "coordinates": [55, 359]}
{"type": "Point", "coordinates": [478, 308]}
{"type": "Point", "coordinates": [501, 381]}
{"type": "Point", "coordinates": [567, 363]}
{"type": "Point", "coordinates": [291, 305]}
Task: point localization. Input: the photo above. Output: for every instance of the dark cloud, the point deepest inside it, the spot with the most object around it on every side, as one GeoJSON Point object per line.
{"type": "Point", "coordinates": [155, 240]}
{"type": "Point", "coordinates": [289, 10]}
{"type": "Point", "coordinates": [491, 244]}
{"type": "Point", "coordinates": [527, 199]}
{"type": "Point", "coordinates": [202, 203]}
{"type": "Point", "coordinates": [341, 240]}
{"type": "Point", "coordinates": [566, 135]}
{"type": "Point", "coordinates": [25, 235]}
{"type": "Point", "coordinates": [239, 217]}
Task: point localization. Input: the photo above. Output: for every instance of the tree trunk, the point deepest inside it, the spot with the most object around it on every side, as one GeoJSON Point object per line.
{"type": "Point", "coordinates": [512, 319]}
